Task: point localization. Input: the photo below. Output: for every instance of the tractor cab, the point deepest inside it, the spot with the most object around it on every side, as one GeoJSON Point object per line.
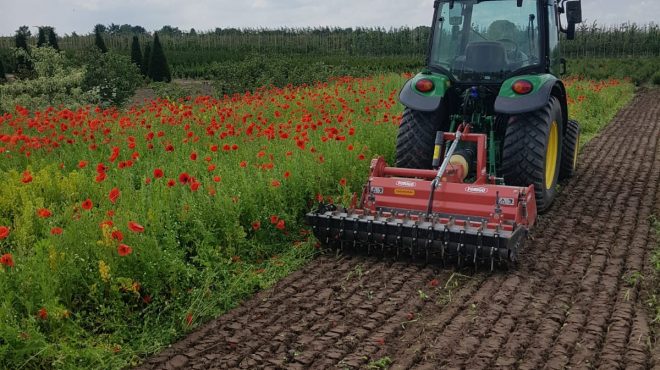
{"type": "Point", "coordinates": [485, 41]}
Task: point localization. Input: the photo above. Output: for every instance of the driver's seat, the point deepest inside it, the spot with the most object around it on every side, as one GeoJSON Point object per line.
{"type": "Point", "coordinates": [486, 57]}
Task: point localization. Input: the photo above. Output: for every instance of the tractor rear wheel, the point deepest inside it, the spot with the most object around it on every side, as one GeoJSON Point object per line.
{"type": "Point", "coordinates": [416, 138]}
{"type": "Point", "coordinates": [532, 152]}
{"type": "Point", "coordinates": [569, 158]}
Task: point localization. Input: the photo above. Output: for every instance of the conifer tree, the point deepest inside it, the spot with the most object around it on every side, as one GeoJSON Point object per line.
{"type": "Point", "coordinates": [99, 39]}
{"type": "Point", "coordinates": [22, 35]}
{"type": "Point", "coordinates": [41, 39]}
{"type": "Point", "coordinates": [158, 68]}
{"type": "Point", "coordinates": [52, 39]}
{"type": "Point", "coordinates": [146, 60]}
{"type": "Point", "coordinates": [2, 71]}
{"type": "Point", "coordinates": [136, 53]}
{"type": "Point", "coordinates": [23, 64]}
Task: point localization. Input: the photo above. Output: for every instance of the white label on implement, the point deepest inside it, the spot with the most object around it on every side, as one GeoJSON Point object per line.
{"type": "Point", "coordinates": [507, 201]}
{"type": "Point", "coordinates": [406, 184]}
{"type": "Point", "coordinates": [475, 189]}
{"type": "Point", "coordinates": [377, 190]}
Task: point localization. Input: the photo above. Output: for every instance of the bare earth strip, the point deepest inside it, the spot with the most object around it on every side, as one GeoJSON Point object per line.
{"type": "Point", "coordinates": [573, 303]}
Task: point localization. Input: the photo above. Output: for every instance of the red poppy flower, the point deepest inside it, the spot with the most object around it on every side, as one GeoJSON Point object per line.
{"type": "Point", "coordinates": [184, 178]}
{"type": "Point", "coordinates": [135, 227]}
{"type": "Point", "coordinates": [243, 164]}
{"type": "Point", "coordinates": [169, 148]}
{"type": "Point", "coordinates": [274, 219]}
{"type": "Point", "coordinates": [275, 183]}
{"type": "Point", "coordinates": [214, 148]}
{"type": "Point", "coordinates": [287, 174]}
{"type": "Point", "coordinates": [44, 213]}
{"type": "Point", "coordinates": [342, 182]}
{"type": "Point", "coordinates": [82, 164]}
{"type": "Point", "coordinates": [217, 178]}
{"type": "Point", "coordinates": [361, 157]}
{"type": "Point", "coordinates": [7, 260]}
{"type": "Point", "coordinates": [319, 197]}
{"type": "Point", "coordinates": [226, 148]}
{"type": "Point", "coordinates": [350, 147]}
{"type": "Point", "coordinates": [171, 183]}
{"type": "Point", "coordinates": [256, 225]}
{"type": "Point", "coordinates": [101, 177]}
{"type": "Point", "coordinates": [211, 168]}
{"type": "Point", "coordinates": [158, 173]}
{"type": "Point", "coordinates": [281, 225]}
{"type": "Point", "coordinates": [114, 155]}
{"type": "Point", "coordinates": [124, 250]}
{"type": "Point", "coordinates": [56, 231]}
{"type": "Point", "coordinates": [87, 204]}
{"type": "Point", "coordinates": [194, 186]}
{"type": "Point", "coordinates": [193, 156]}
{"type": "Point", "coordinates": [42, 313]}
{"type": "Point", "coordinates": [117, 235]}
{"type": "Point", "coordinates": [114, 195]}
{"type": "Point", "coordinates": [27, 177]}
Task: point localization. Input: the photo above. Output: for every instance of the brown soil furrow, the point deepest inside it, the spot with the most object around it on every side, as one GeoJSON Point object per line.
{"type": "Point", "coordinates": [591, 228]}
{"type": "Point", "coordinates": [601, 280]}
{"type": "Point", "coordinates": [571, 304]}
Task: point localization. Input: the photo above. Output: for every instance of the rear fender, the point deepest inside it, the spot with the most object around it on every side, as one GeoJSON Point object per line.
{"type": "Point", "coordinates": [425, 102]}
{"type": "Point", "coordinates": [545, 85]}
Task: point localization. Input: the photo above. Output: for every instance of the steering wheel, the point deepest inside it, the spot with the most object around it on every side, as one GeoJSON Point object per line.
{"type": "Point", "coordinates": [513, 47]}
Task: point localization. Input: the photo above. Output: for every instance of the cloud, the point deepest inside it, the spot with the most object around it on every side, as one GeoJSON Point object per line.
{"type": "Point", "coordinates": [81, 15]}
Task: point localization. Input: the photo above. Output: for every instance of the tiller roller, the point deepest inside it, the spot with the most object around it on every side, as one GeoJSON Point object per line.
{"type": "Point", "coordinates": [434, 214]}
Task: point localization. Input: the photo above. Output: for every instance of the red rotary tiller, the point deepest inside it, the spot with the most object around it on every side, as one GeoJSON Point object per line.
{"type": "Point", "coordinates": [434, 214]}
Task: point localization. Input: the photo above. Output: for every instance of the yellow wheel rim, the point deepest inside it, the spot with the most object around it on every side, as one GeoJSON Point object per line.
{"type": "Point", "coordinates": [551, 156]}
{"type": "Point", "coordinates": [577, 150]}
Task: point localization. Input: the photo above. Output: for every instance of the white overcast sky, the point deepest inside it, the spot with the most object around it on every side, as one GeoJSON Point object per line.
{"type": "Point", "coordinates": [81, 15]}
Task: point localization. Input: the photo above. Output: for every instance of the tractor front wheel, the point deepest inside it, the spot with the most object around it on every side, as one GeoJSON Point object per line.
{"type": "Point", "coordinates": [532, 152]}
{"type": "Point", "coordinates": [416, 138]}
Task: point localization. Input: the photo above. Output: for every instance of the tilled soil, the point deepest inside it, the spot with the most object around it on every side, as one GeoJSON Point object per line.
{"type": "Point", "coordinates": [575, 301]}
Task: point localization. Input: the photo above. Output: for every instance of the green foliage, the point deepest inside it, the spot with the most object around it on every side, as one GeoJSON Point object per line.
{"type": "Point", "coordinates": [145, 62]}
{"type": "Point", "coordinates": [639, 70]}
{"type": "Point", "coordinates": [112, 78]}
{"type": "Point", "coordinates": [280, 70]}
{"type": "Point", "coordinates": [136, 52]}
{"type": "Point", "coordinates": [53, 83]}
{"type": "Point", "coordinates": [98, 41]}
{"type": "Point", "coordinates": [656, 78]}
{"type": "Point", "coordinates": [159, 70]}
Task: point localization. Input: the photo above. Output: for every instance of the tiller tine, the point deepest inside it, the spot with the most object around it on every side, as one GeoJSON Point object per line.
{"type": "Point", "coordinates": [423, 214]}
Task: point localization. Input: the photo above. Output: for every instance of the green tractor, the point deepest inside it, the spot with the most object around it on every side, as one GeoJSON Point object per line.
{"type": "Point", "coordinates": [496, 64]}
{"type": "Point", "coordinates": [483, 142]}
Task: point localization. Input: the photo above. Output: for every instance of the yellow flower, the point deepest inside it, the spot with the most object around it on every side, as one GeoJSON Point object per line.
{"type": "Point", "coordinates": [104, 271]}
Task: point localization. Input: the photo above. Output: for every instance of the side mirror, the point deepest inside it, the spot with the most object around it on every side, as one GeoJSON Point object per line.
{"type": "Point", "coordinates": [574, 11]}
{"type": "Point", "coordinates": [573, 16]}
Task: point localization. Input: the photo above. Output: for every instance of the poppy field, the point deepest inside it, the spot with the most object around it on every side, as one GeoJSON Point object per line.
{"type": "Point", "coordinates": [120, 230]}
